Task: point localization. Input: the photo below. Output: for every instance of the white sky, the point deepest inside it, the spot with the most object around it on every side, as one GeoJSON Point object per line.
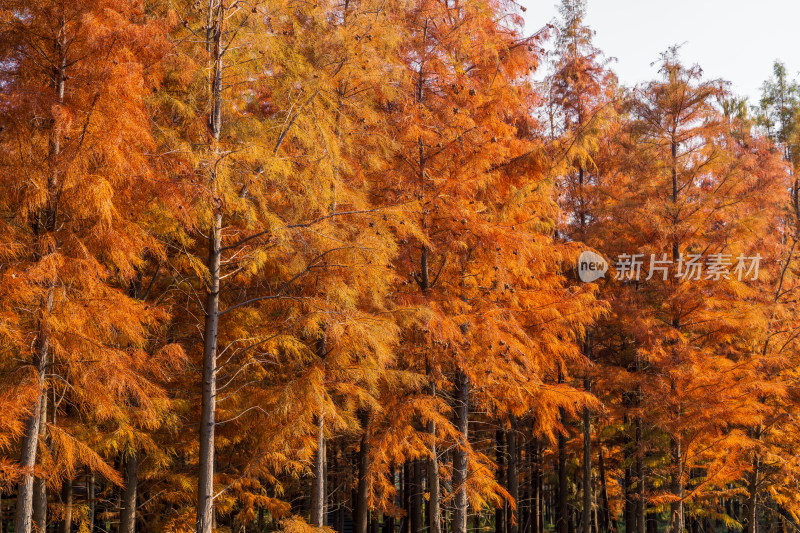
{"type": "Point", "coordinates": [736, 40]}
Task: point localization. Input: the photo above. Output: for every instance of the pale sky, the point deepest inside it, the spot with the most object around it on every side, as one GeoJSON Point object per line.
{"type": "Point", "coordinates": [736, 40]}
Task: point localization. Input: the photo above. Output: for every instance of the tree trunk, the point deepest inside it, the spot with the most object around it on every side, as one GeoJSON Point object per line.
{"type": "Point", "coordinates": [405, 483]}
{"type": "Point", "coordinates": [361, 511]}
{"type": "Point", "coordinates": [460, 453]}
{"type": "Point", "coordinates": [677, 488]}
{"type": "Point", "coordinates": [66, 500]}
{"type": "Point", "coordinates": [205, 495]}
{"type": "Point", "coordinates": [500, 451]}
{"type": "Point", "coordinates": [536, 505]}
{"type": "Point", "coordinates": [587, 471]}
{"type": "Point", "coordinates": [205, 489]}
{"type": "Point", "coordinates": [513, 479]}
{"type": "Point", "coordinates": [39, 482]}
{"type": "Point", "coordinates": [605, 516]}
{"type": "Point", "coordinates": [752, 498]}
{"type": "Point", "coordinates": [416, 522]}
{"type": "Point", "coordinates": [630, 506]}
{"type": "Point", "coordinates": [562, 513]}
{"type": "Point", "coordinates": [128, 511]}
{"type": "Point", "coordinates": [318, 482]}
{"type": "Point", "coordinates": [434, 508]}
{"type": "Point", "coordinates": [35, 426]}
{"type": "Point", "coordinates": [640, 501]}
{"type": "Point", "coordinates": [652, 524]}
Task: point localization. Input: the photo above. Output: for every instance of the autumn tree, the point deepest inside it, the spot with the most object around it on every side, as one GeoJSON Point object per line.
{"type": "Point", "coordinates": [581, 98]}
{"type": "Point", "coordinates": [75, 126]}
{"type": "Point", "coordinates": [692, 193]}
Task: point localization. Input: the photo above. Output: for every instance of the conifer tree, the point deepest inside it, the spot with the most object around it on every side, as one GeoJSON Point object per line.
{"type": "Point", "coordinates": [74, 82]}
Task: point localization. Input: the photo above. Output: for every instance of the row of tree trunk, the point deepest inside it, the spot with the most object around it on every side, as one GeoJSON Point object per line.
{"type": "Point", "coordinates": [548, 495]}
{"type": "Point", "coordinates": [108, 508]}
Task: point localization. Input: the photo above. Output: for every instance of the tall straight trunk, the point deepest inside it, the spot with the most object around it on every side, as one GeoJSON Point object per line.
{"type": "Point", "coordinates": [587, 449]}
{"type": "Point", "coordinates": [318, 482]}
{"type": "Point", "coordinates": [674, 146]}
{"type": "Point", "coordinates": [361, 512]}
{"type": "Point", "coordinates": [630, 505]}
{"type": "Point", "coordinates": [461, 398]}
{"type": "Point", "coordinates": [676, 508]}
{"type": "Point", "coordinates": [128, 510]}
{"type": "Point", "coordinates": [66, 500]}
{"type": "Point", "coordinates": [752, 498]}
{"type": "Point", "coordinates": [34, 426]}
{"type": "Point", "coordinates": [640, 501]}
{"type": "Point", "coordinates": [513, 479]}
{"type": "Point", "coordinates": [677, 519]}
{"type": "Point", "coordinates": [562, 513]}
{"type": "Point", "coordinates": [434, 504]}
{"type": "Point", "coordinates": [205, 493]}
{"type": "Point", "coordinates": [40, 483]}
{"type": "Point", "coordinates": [605, 514]}
{"type": "Point", "coordinates": [205, 484]}
{"type": "Point", "coordinates": [500, 450]}
{"type": "Point", "coordinates": [536, 486]}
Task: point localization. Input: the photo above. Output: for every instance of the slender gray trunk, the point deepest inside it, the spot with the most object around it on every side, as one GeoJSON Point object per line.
{"type": "Point", "coordinates": [677, 519]}
{"type": "Point", "coordinates": [362, 492]}
{"type": "Point", "coordinates": [587, 443]}
{"type": "Point", "coordinates": [752, 499]}
{"type": "Point", "coordinates": [30, 443]}
{"type": "Point", "coordinates": [205, 486]}
{"type": "Point", "coordinates": [40, 483]}
{"type": "Point", "coordinates": [318, 482]}
{"type": "Point", "coordinates": [434, 508]}
{"type": "Point", "coordinates": [460, 452]}
{"type": "Point", "coordinates": [128, 512]}
{"type": "Point", "coordinates": [205, 492]}
{"type": "Point", "coordinates": [318, 493]}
